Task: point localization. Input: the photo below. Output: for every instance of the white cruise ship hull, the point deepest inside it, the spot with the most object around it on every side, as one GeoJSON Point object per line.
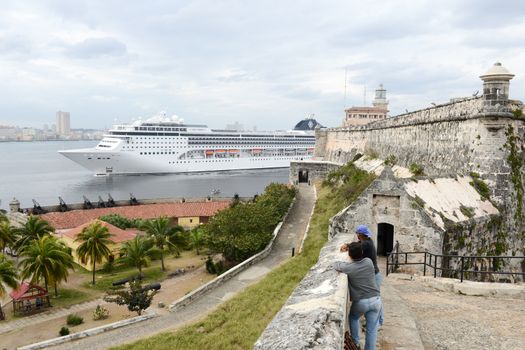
{"type": "Point", "coordinates": [124, 163]}
{"type": "Point", "coordinates": [165, 146]}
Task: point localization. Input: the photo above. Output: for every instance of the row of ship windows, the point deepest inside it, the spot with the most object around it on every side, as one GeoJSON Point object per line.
{"type": "Point", "coordinates": [224, 160]}
{"type": "Point", "coordinates": [157, 143]}
{"type": "Point", "coordinates": [143, 147]}
{"type": "Point", "coordinates": [252, 142]}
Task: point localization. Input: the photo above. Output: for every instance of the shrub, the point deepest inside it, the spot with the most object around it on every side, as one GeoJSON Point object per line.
{"type": "Point", "coordinates": [63, 331]}
{"type": "Point", "coordinates": [467, 211]}
{"type": "Point", "coordinates": [391, 160]}
{"type": "Point", "coordinates": [74, 320]}
{"type": "Point", "coordinates": [243, 230]}
{"type": "Point", "coordinates": [210, 266]}
{"type": "Point", "coordinates": [416, 169]}
{"type": "Point", "coordinates": [135, 297]}
{"type": "Point", "coordinates": [100, 313]}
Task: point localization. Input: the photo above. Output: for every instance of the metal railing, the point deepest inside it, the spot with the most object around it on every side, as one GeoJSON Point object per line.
{"type": "Point", "coordinates": [455, 266]}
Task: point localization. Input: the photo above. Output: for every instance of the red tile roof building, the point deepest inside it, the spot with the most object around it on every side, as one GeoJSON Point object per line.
{"type": "Point", "coordinates": [75, 218]}
{"type": "Point", "coordinates": [117, 235]}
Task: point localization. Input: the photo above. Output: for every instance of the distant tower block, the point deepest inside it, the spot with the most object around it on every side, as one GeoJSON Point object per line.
{"type": "Point", "coordinates": [63, 123]}
{"type": "Point", "coordinates": [496, 82]}
{"type": "Point", "coordinates": [380, 100]}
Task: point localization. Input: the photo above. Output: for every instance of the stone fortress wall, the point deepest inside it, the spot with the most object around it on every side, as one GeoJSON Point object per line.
{"type": "Point", "coordinates": [478, 134]}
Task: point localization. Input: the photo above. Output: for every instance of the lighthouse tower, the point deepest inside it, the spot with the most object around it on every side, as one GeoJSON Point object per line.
{"type": "Point", "coordinates": [380, 100]}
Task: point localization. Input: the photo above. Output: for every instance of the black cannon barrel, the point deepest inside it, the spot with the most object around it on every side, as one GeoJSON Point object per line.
{"type": "Point", "coordinates": [126, 280]}
{"type": "Point", "coordinates": [152, 286]}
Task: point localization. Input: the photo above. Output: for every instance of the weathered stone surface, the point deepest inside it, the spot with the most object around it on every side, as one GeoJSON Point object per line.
{"type": "Point", "coordinates": [316, 170]}
{"type": "Point", "coordinates": [314, 315]}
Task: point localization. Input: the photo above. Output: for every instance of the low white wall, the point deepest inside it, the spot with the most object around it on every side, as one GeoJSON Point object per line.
{"type": "Point", "coordinates": [87, 332]}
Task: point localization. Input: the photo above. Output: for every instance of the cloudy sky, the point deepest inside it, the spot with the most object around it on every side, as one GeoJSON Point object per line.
{"type": "Point", "coordinates": [264, 63]}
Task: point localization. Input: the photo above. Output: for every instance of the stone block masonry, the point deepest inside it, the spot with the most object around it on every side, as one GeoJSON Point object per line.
{"type": "Point", "coordinates": [447, 140]}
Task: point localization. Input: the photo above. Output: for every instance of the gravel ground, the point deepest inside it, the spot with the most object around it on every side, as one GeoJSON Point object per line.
{"type": "Point", "coordinates": [448, 321]}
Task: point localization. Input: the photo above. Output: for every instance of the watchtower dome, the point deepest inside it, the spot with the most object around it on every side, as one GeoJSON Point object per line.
{"type": "Point", "coordinates": [496, 83]}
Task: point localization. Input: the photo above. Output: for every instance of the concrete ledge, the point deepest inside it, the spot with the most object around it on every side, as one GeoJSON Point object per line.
{"type": "Point", "coordinates": [486, 289]}
{"type": "Point", "coordinates": [87, 332]}
{"type": "Point", "coordinates": [219, 280]}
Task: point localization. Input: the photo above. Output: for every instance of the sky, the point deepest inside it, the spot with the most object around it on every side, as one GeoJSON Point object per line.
{"type": "Point", "coordinates": [260, 63]}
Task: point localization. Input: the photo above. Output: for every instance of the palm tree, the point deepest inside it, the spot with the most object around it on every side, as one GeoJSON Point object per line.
{"type": "Point", "coordinates": [7, 235]}
{"type": "Point", "coordinates": [8, 275]}
{"type": "Point", "coordinates": [165, 238]}
{"type": "Point", "coordinates": [94, 246]}
{"type": "Point", "coordinates": [34, 229]}
{"type": "Point", "coordinates": [138, 252]}
{"type": "Point", "coordinates": [197, 239]}
{"type": "Point", "coordinates": [62, 270]}
{"type": "Point", "coordinates": [47, 259]}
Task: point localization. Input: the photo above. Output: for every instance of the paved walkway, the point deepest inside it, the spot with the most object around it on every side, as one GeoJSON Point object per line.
{"type": "Point", "coordinates": [449, 320]}
{"type": "Point", "coordinates": [290, 237]}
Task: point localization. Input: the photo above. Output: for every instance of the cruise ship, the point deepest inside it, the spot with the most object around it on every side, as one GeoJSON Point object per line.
{"type": "Point", "coordinates": [162, 145]}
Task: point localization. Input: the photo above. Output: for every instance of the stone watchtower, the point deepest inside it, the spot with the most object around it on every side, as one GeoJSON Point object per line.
{"type": "Point", "coordinates": [496, 83]}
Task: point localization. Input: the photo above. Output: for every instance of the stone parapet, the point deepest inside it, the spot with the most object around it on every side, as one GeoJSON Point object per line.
{"type": "Point", "coordinates": [314, 317]}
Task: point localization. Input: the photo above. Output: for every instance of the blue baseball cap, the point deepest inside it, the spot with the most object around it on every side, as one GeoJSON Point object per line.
{"type": "Point", "coordinates": [363, 230]}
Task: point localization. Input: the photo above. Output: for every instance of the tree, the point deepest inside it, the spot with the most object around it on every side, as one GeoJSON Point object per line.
{"type": "Point", "coordinates": [7, 235]}
{"type": "Point", "coordinates": [197, 239]}
{"type": "Point", "coordinates": [138, 252]}
{"type": "Point", "coordinates": [46, 259]}
{"type": "Point", "coordinates": [8, 275]}
{"type": "Point", "coordinates": [136, 297]}
{"type": "Point", "coordinates": [62, 270]}
{"type": "Point", "coordinates": [165, 237]}
{"type": "Point", "coordinates": [241, 231]}
{"type": "Point", "coordinates": [94, 246]}
{"type": "Point", "coordinates": [34, 229]}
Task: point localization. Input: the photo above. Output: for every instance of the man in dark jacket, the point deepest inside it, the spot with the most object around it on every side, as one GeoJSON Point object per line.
{"type": "Point", "coordinates": [363, 292]}
{"type": "Point", "coordinates": [369, 250]}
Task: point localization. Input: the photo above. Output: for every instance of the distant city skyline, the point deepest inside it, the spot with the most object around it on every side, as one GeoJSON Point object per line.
{"type": "Point", "coordinates": [268, 64]}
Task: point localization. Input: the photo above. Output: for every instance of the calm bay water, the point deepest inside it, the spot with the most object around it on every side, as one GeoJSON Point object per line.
{"type": "Point", "coordinates": [35, 170]}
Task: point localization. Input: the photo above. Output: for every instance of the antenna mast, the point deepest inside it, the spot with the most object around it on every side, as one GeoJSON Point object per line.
{"type": "Point", "coordinates": [364, 95]}
{"type": "Point", "coordinates": [345, 85]}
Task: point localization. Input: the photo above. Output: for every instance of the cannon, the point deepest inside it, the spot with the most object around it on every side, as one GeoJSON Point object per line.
{"type": "Point", "coordinates": [101, 203]}
{"type": "Point", "coordinates": [37, 209]}
{"type": "Point", "coordinates": [111, 202]}
{"type": "Point", "coordinates": [63, 205]}
{"type": "Point", "coordinates": [152, 286]}
{"type": "Point", "coordinates": [133, 200]}
{"type": "Point", "coordinates": [87, 203]}
{"type": "Point", "coordinates": [126, 280]}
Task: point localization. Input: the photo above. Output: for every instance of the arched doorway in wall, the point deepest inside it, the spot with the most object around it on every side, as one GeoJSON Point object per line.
{"type": "Point", "coordinates": [385, 238]}
{"type": "Point", "coordinates": [303, 176]}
